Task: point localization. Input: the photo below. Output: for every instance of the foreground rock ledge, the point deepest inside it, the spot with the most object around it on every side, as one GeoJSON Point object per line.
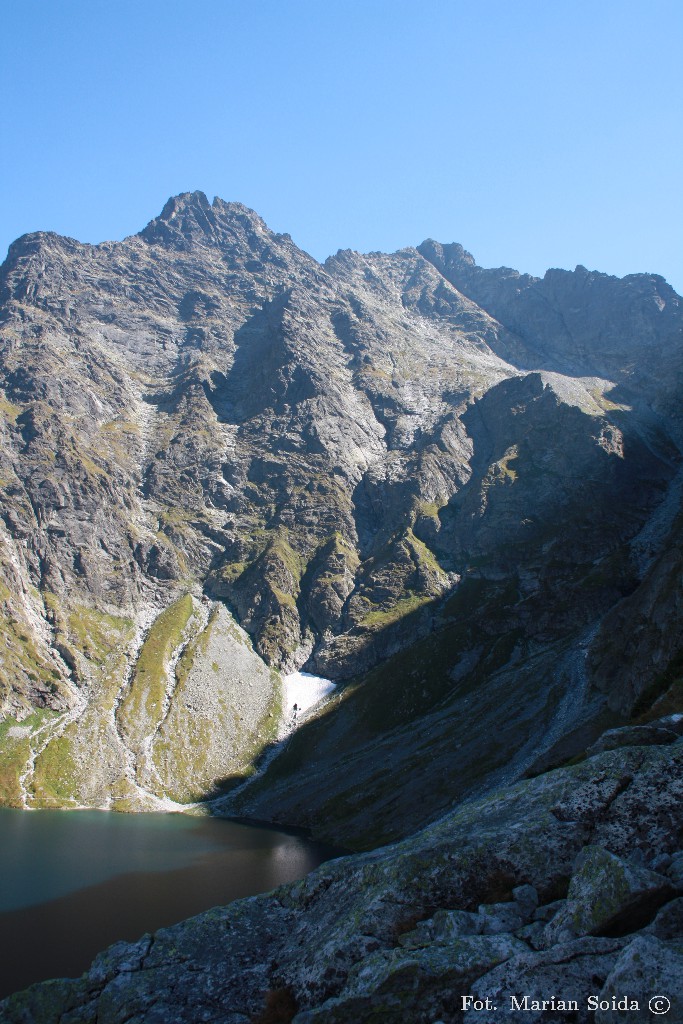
{"type": "Point", "coordinates": [475, 903]}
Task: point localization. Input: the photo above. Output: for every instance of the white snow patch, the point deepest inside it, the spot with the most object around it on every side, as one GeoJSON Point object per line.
{"type": "Point", "coordinates": [303, 691]}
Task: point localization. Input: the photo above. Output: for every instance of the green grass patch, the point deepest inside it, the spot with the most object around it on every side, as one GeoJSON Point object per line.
{"type": "Point", "coordinates": [120, 427]}
{"type": "Point", "coordinates": [429, 509]}
{"type": "Point", "coordinates": [142, 705]}
{"type": "Point", "coordinates": [9, 410]}
{"type": "Point", "coordinates": [231, 571]}
{"type": "Point", "coordinates": [381, 617]}
{"type": "Point", "coordinates": [285, 553]}
{"type": "Point", "coordinates": [504, 464]}
{"type": "Point", "coordinates": [15, 750]}
{"type": "Point", "coordinates": [55, 775]}
{"type": "Point", "coordinates": [96, 633]}
{"type": "Point", "coordinates": [423, 555]}
{"type": "Point", "coordinates": [284, 598]}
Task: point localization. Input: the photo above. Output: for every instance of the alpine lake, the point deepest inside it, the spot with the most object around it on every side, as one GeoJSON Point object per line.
{"type": "Point", "coordinates": [74, 882]}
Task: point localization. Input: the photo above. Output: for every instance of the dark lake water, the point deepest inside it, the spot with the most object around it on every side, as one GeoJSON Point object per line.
{"type": "Point", "coordinates": [73, 882]}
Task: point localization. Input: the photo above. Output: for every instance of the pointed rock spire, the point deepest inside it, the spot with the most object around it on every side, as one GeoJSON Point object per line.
{"type": "Point", "coordinates": [189, 219]}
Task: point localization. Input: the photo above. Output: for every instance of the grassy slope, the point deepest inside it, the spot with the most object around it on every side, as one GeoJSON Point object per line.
{"type": "Point", "coordinates": [141, 707]}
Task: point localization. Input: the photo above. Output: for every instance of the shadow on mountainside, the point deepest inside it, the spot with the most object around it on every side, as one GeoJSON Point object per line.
{"type": "Point", "coordinates": [472, 703]}
{"type": "Point", "coordinates": [508, 682]}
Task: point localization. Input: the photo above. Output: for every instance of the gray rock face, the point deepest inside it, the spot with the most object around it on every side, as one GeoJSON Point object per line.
{"type": "Point", "coordinates": [225, 709]}
{"type": "Point", "coordinates": [418, 982]}
{"type": "Point", "coordinates": [634, 736]}
{"type": "Point", "coordinates": [668, 923]}
{"type": "Point", "coordinates": [453, 489]}
{"type": "Point", "coordinates": [647, 969]}
{"type": "Point", "coordinates": [607, 896]}
{"type": "Point", "coordinates": [675, 870]}
{"type": "Point", "coordinates": [553, 984]}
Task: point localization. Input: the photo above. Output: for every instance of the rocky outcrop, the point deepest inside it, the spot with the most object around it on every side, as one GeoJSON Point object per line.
{"type": "Point", "coordinates": [475, 906]}
{"type": "Point", "coordinates": [607, 896]}
{"type": "Point", "coordinates": [575, 323]}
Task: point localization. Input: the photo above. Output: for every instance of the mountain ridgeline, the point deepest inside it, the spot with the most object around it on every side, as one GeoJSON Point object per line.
{"type": "Point", "coordinates": [454, 491]}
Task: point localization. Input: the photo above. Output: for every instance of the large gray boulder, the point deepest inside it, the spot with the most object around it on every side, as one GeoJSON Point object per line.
{"type": "Point", "coordinates": [417, 985]}
{"type": "Point", "coordinates": [522, 988]}
{"type": "Point", "coordinates": [635, 736]}
{"type": "Point", "coordinates": [608, 896]}
{"type": "Point", "coordinates": [649, 973]}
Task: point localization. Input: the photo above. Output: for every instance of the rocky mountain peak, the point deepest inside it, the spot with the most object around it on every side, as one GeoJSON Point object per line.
{"type": "Point", "coordinates": [189, 219]}
{"type": "Point", "coordinates": [185, 203]}
{"type": "Point", "coordinates": [444, 255]}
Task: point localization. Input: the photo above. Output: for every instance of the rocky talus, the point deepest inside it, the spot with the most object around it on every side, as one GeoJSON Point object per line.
{"type": "Point", "coordinates": [567, 887]}
{"type": "Point", "coordinates": [454, 491]}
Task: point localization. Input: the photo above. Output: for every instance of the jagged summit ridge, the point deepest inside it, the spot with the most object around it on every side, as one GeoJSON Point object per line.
{"type": "Point", "coordinates": [351, 459]}
{"type": "Point", "coordinates": [192, 217]}
{"type": "Point", "coordinates": [189, 218]}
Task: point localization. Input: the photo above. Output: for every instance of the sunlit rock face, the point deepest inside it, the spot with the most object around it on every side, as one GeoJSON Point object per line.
{"type": "Point", "coordinates": [451, 489]}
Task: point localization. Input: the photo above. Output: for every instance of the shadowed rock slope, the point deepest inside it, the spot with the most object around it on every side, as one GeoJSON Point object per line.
{"type": "Point", "coordinates": [567, 886]}
{"type": "Point", "coordinates": [450, 489]}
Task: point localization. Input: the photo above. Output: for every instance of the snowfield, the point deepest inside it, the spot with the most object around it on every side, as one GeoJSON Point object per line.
{"type": "Point", "coordinates": [305, 691]}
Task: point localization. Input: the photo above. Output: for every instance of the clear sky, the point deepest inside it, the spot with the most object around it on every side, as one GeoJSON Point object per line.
{"type": "Point", "coordinates": [537, 133]}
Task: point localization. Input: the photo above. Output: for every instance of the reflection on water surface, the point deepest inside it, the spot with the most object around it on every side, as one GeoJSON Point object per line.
{"type": "Point", "coordinates": [73, 882]}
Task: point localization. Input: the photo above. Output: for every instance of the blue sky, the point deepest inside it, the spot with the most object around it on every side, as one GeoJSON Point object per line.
{"type": "Point", "coordinates": [537, 133]}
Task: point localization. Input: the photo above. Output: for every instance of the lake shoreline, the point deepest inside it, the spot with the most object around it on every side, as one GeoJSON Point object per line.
{"type": "Point", "coordinates": [75, 882]}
